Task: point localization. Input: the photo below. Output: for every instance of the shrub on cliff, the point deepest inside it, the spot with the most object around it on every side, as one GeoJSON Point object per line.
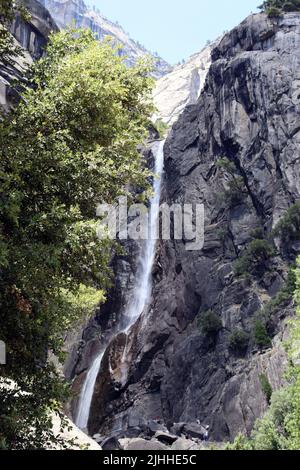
{"type": "Point", "coordinates": [239, 340]}
{"type": "Point", "coordinates": [281, 300]}
{"type": "Point", "coordinates": [266, 386]}
{"type": "Point", "coordinates": [210, 323]}
{"type": "Point", "coordinates": [70, 144]}
{"type": "Point", "coordinates": [288, 228]}
{"type": "Point", "coordinates": [275, 8]}
{"type": "Point", "coordinates": [261, 336]}
{"type": "Point", "coordinates": [255, 257]}
{"type": "Point", "coordinates": [8, 47]}
{"type": "Point", "coordinates": [236, 191]}
{"type": "Point", "coordinates": [161, 127]}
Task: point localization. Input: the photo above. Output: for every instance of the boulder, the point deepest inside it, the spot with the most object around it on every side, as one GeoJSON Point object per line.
{"type": "Point", "coordinates": [185, 444]}
{"type": "Point", "coordinates": [111, 443]}
{"type": "Point", "coordinates": [165, 437]}
{"type": "Point", "coordinates": [194, 430]}
{"type": "Point", "coordinates": [152, 427]}
{"type": "Point", "coordinates": [177, 428]}
{"type": "Point", "coordinates": [142, 444]}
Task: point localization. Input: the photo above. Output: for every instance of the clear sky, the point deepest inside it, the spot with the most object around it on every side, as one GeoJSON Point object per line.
{"type": "Point", "coordinates": [176, 28]}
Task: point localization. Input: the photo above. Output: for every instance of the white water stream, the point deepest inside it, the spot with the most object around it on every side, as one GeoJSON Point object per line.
{"type": "Point", "coordinates": [141, 293]}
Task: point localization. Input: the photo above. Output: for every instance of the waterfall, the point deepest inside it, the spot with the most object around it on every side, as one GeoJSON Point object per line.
{"type": "Point", "coordinates": [141, 292]}
{"type": "Point", "coordinates": [143, 285]}
{"type": "Point", "coordinates": [87, 393]}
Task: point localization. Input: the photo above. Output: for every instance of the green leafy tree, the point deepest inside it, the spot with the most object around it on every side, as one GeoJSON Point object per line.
{"type": "Point", "coordinates": [7, 10]}
{"type": "Point", "coordinates": [70, 144]}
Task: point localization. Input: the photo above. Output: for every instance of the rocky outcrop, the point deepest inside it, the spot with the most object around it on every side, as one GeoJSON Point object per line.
{"type": "Point", "coordinates": [32, 36]}
{"type": "Point", "coordinates": [66, 12]}
{"type": "Point", "coordinates": [248, 114]}
{"type": "Point", "coordinates": [74, 438]}
{"type": "Point", "coordinates": [155, 436]}
{"type": "Point", "coordinates": [182, 86]}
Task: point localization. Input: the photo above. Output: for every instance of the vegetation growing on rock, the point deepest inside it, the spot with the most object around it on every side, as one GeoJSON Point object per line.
{"type": "Point", "coordinates": [239, 340]}
{"type": "Point", "coordinates": [282, 299]}
{"type": "Point", "coordinates": [288, 228]}
{"type": "Point", "coordinates": [8, 49]}
{"type": "Point", "coordinates": [261, 335]}
{"type": "Point", "coordinates": [280, 428]}
{"type": "Point", "coordinates": [210, 323]}
{"type": "Point", "coordinates": [266, 386]}
{"type": "Point", "coordinates": [236, 190]}
{"type": "Point", "coordinates": [161, 127]}
{"type": "Point", "coordinates": [255, 258]}
{"type": "Point", "coordinates": [275, 8]}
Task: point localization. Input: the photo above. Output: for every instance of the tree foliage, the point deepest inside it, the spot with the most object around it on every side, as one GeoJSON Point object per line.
{"type": "Point", "coordinates": [288, 228]}
{"type": "Point", "coordinates": [275, 8]}
{"type": "Point", "coordinates": [261, 335]}
{"type": "Point", "coordinates": [239, 340]}
{"type": "Point", "coordinates": [70, 144]}
{"type": "Point", "coordinates": [266, 386]}
{"type": "Point", "coordinates": [255, 258]}
{"type": "Point", "coordinates": [161, 127]}
{"type": "Point", "coordinates": [210, 323]}
{"type": "Point", "coordinates": [236, 191]}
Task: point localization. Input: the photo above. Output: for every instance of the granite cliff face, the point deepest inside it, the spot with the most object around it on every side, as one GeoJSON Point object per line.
{"type": "Point", "coordinates": [248, 114]}
{"type": "Point", "coordinates": [65, 12]}
{"type": "Point", "coordinates": [182, 86]}
{"type": "Point", "coordinates": [32, 36]}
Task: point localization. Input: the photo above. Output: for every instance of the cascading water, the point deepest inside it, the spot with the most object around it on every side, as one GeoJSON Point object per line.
{"type": "Point", "coordinates": [143, 285]}
{"type": "Point", "coordinates": [87, 393]}
{"type": "Point", "coordinates": [141, 292]}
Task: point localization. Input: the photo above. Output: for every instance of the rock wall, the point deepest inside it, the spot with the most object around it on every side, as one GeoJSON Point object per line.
{"type": "Point", "coordinates": [248, 112]}
{"type": "Point", "coordinates": [32, 36]}
{"type": "Point", "coordinates": [182, 86]}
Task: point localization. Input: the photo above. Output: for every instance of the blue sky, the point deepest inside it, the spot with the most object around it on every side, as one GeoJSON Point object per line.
{"type": "Point", "coordinates": [176, 28]}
